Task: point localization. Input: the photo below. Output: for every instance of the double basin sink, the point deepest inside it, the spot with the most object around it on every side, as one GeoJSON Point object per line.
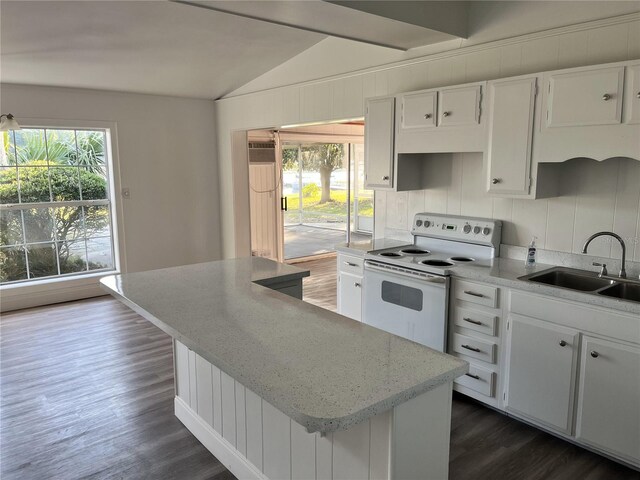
{"type": "Point", "coordinates": [588, 282]}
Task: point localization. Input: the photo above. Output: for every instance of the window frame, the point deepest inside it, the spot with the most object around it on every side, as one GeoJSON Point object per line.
{"type": "Point", "coordinates": [22, 287]}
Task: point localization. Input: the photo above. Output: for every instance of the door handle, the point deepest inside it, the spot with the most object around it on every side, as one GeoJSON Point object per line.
{"type": "Point", "coordinates": [284, 204]}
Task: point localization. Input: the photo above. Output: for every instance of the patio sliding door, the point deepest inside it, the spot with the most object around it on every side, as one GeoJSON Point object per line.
{"type": "Point", "coordinates": [323, 195]}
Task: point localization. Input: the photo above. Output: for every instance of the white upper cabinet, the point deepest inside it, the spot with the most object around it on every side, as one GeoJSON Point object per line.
{"type": "Point", "coordinates": [583, 114]}
{"type": "Point", "coordinates": [608, 415]}
{"type": "Point", "coordinates": [418, 110]}
{"type": "Point", "coordinates": [592, 97]}
{"type": "Point", "coordinates": [511, 105]}
{"type": "Point", "coordinates": [441, 120]}
{"type": "Point", "coordinates": [459, 106]}
{"type": "Point", "coordinates": [632, 95]}
{"type": "Point", "coordinates": [379, 142]}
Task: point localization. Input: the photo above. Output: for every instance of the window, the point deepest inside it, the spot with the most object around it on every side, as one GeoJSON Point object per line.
{"type": "Point", "coordinates": [55, 209]}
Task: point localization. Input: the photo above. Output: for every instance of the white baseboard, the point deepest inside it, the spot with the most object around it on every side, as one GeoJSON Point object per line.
{"type": "Point", "coordinates": [218, 446]}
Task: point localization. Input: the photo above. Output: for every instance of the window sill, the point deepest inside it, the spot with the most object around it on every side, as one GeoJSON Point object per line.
{"type": "Point", "coordinates": [51, 290]}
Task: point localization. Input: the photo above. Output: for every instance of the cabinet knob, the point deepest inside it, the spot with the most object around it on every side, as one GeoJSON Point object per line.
{"type": "Point", "coordinates": [446, 114]}
{"type": "Point", "coordinates": [385, 178]}
{"type": "Point", "coordinates": [606, 97]}
{"type": "Point", "coordinates": [563, 343]}
{"type": "Point", "coordinates": [427, 116]}
{"type": "Point", "coordinates": [638, 95]}
{"type": "Point", "coordinates": [594, 354]}
{"type": "Point", "coordinates": [356, 284]}
{"type": "Point", "coordinates": [495, 181]}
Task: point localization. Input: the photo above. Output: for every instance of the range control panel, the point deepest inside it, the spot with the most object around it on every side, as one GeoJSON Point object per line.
{"type": "Point", "coordinates": [481, 231]}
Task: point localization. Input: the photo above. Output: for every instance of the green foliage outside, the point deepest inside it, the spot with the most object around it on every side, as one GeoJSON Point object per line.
{"type": "Point", "coordinates": [310, 190]}
{"type": "Point", "coordinates": [56, 178]}
{"type": "Point", "coordinates": [314, 211]}
{"type": "Point", "coordinates": [319, 157]}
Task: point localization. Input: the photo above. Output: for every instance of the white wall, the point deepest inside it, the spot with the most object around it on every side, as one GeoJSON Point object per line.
{"type": "Point", "coordinates": [342, 97]}
{"type": "Point", "coordinates": [167, 157]}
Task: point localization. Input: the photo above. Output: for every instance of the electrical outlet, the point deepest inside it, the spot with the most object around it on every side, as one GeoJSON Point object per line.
{"type": "Point", "coordinates": [126, 193]}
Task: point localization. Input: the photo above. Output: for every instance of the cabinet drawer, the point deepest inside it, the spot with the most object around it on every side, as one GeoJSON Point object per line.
{"type": "Point", "coordinates": [475, 320]}
{"type": "Point", "coordinates": [351, 264]}
{"type": "Point", "coordinates": [474, 347]}
{"type": "Point", "coordinates": [478, 379]}
{"type": "Point", "coordinates": [476, 293]}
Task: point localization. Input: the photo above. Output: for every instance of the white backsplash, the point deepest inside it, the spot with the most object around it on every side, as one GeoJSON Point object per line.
{"type": "Point", "coordinates": [593, 196]}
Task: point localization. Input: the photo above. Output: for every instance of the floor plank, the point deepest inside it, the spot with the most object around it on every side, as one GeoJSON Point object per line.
{"type": "Point", "coordinates": [87, 392]}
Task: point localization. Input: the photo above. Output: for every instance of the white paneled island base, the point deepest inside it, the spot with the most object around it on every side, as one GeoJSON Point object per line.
{"type": "Point", "coordinates": [254, 440]}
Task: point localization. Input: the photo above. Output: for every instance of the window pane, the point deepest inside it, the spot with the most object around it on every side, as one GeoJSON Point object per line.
{"type": "Point", "coordinates": [38, 225]}
{"type": "Point", "coordinates": [94, 184]}
{"type": "Point", "coordinates": [99, 251]}
{"type": "Point", "coordinates": [10, 227]}
{"type": "Point", "coordinates": [31, 147]}
{"type": "Point", "coordinates": [7, 153]}
{"type": "Point", "coordinates": [61, 147]}
{"type": "Point", "coordinates": [97, 221]}
{"type": "Point", "coordinates": [9, 185]}
{"type": "Point", "coordinates": [13, 265]}
{"type": "Point", "coordinates": [42, 260]}
{"type": "Point", "coordinates": [69, 223]}
{"type": "Point", "coordinates": [72, 256]}
{"type": "Point", "coordinates": [65, 183]}
{"type": "Point", "coordinates": [91, 151]}
{"type": "Point", "coordinates": [34, 184]}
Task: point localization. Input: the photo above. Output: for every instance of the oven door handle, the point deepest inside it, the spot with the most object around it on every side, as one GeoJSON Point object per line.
{"type": "Point", "coordinates": [407, 274]}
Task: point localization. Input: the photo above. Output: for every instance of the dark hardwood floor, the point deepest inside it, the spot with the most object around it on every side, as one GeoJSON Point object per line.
{"type": "Point", "coordinates": [87, 392]}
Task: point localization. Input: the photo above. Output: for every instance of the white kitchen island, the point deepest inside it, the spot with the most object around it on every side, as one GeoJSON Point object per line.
{"type": "Point", "coordinates": [277, 388]}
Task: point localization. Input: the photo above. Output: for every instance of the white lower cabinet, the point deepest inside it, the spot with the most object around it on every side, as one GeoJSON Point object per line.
{"type": "Point", "coordinates": [350, 296]}
{"type": "Point", "coordinates": [350, 277]}
{"type": "Point", "coordinates": [608, 414]}
{"type": "Point", "coordinates": [542, 366]}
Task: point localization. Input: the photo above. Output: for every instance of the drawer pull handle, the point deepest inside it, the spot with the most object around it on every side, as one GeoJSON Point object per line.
{"type": "Point", "coordinates": [475, 322]}
{"type": "Point", "coordinates": [594, 354]}
{"type": "Point", "coordinates": [473, 349]}
{"type": "Point", "coordinates": [474, 294]}
{"type": "Point", "coordinates": [475, 377]}
{"type": "Point", "coordinates": [349, 264]}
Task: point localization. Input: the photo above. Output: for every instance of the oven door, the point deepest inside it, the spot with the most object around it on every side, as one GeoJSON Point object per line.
{"type": "Point", "coordinates": [410, 305]}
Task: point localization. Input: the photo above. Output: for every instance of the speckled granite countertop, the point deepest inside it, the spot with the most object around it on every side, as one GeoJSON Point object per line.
{"type": "Point", "coordinates": [323, 370]}
{"type": "Point", "coordinates": [505, 272]}
{"type": "Point", "coordinates": [361, 248]}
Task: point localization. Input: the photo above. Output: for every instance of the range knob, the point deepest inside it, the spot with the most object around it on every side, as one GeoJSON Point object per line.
{"type": "Point", "coordinates": [418, 223]}
{"type": "Point", "coordinates": [466, 228]}
{"type": "Point", "coordinates": [427, 223]}
{"type": "Point", "coordinates": [476, 229]}
{"type": "Point", "coordinates": [486, 231]}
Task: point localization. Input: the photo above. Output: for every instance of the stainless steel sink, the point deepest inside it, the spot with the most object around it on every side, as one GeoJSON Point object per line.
{"type": "Point", "coordinates": [623, 290]}
{"type": "Point", "coordinates": [569, 278]}
{"type": "Point", "coordinates": [588, 282]}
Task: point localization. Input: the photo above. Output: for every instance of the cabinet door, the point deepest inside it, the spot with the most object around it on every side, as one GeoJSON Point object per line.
{"type": "Point", "coordinates": [511, 107]}
{"type": "Point", "coordinates": [350, 296]}
{"type": "Point", "coordinates": [609, 398]}
{"type": "Point", "coordinates": [459, 106]}
{"type": "Point", "coordinates": [588, 97]}
{"type": "Point", "coordinates": [542, 365]}
{"type": "Point", "coordinates": [632, 94]}
{"type": "Point", "coordinates": [378, 142]}
{"type": "Point", "coordinates": [418, 110]}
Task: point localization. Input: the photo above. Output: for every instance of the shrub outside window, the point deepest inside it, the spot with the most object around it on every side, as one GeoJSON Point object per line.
{"type": "Point", "coordinates": [55, 208]}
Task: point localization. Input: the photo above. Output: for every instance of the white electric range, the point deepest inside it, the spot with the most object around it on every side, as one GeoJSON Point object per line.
{"type": "Point", "coordinates": [406, 289]}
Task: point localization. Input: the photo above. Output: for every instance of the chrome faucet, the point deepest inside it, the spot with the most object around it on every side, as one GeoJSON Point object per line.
{"type": "Point", "coordinates": [623, 271]}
